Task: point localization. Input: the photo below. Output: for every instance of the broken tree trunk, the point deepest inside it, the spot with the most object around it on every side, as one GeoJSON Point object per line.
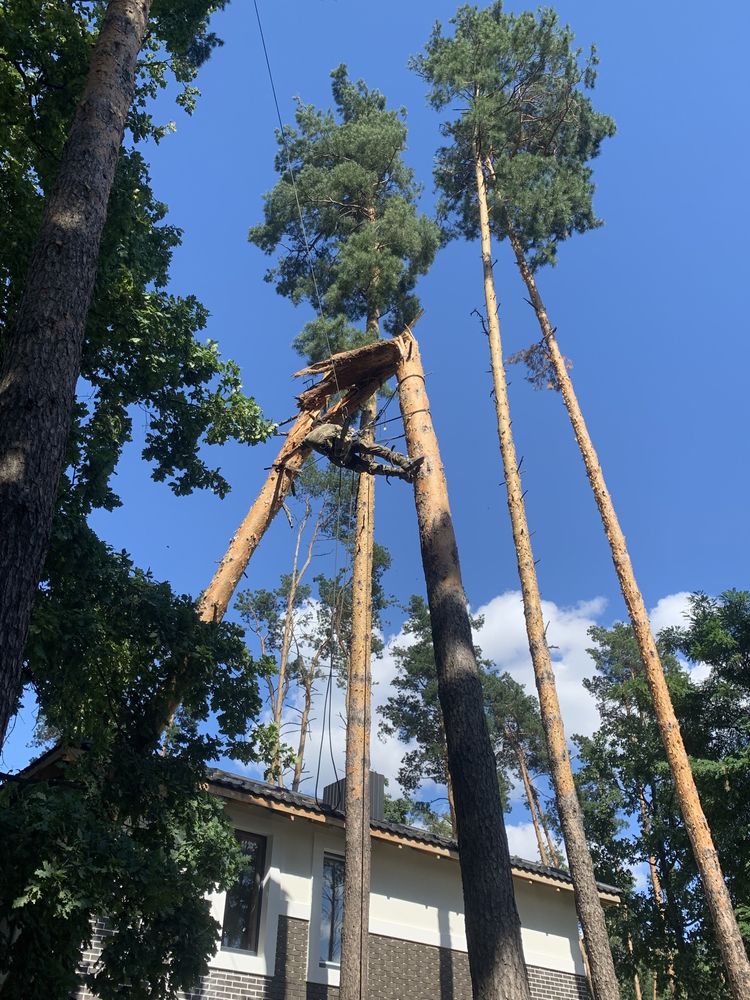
{"type": "Point", "coordinates": [493, 930]}
{"type": "Point", "coordinates": [360, 373]}
{"type": "Point", "coordinates": [726, 929]}
{"type": "Point", "coordinates": [356, 374]}
{"type": "Point", "coordinates": [588, 904]}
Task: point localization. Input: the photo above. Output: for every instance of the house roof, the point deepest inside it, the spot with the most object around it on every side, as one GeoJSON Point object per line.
{"type": "Point", "coordinates": [307, 806]}
{"type": "Point", "coordinates": [294, 804]}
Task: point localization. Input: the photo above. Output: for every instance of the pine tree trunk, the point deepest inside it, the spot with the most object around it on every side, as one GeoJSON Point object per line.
{"type": "Point", "coordinates": [728, 935]}
{"type": "Point", "coordinates": [552, 847]}
{"type": "Point", "coordinates": [305, 722]}
{"type": "Point", "coordinates": [215, 599]}
{"type": "Point", "coordinates": [493, 930]}
{"type": "Point", "coordinates": [530, 798]}
{"type": "Point", "coordinates": [588, 904]}
{"type": "Point", "coordinates": [41, 358]}
{"type": "Point", "coordinates": [636, 977]}
{"type": "Point", "coordinates": [355, 926]}
{"type": "Point", "coordinates": [295, 579]}
{"type": "Point", "coordinates": [451, 802]}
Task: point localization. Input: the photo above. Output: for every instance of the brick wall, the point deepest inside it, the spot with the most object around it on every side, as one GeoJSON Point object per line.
{"type": "Point", "coordinates": [399, 970]}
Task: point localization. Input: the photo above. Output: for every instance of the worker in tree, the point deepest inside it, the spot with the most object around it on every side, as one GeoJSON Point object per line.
{"type": "Point", "coordinates": [346, 449]}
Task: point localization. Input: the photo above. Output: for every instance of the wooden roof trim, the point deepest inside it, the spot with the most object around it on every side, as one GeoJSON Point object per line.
{"type": "Point", "coordinates": [387, 836]}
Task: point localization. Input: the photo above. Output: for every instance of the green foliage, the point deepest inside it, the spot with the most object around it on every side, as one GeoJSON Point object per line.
{"type": "Point", "coordinates": [628, 795]}
{"type": "Point", "coordinates": [410, 812]}
{"type": "Point", "coordinates": [361, 231]}
{"type": "Point", "coordinates": [518, 86]}
{"type": "Point", "coordinates": [141, 347]}
{"type": "Point", "coordinates": [125, 830]}
{"type": "Point", "coordinates": [413, 715]}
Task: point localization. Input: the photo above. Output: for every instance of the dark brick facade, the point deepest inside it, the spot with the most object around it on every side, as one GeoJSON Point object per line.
{"type": "Point", "coordinates": [399, 970]}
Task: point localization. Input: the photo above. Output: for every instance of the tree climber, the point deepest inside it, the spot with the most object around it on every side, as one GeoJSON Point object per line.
{"type": "Point", "coordinates": [346, 449]}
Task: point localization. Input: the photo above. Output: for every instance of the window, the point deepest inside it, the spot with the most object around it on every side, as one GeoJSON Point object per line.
{"type": "Point", "coordinates": [242, 907]}
{"type": "Point", "coordinates": [332, 909]}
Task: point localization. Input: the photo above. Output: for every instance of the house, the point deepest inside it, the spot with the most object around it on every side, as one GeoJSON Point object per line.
{"type": "Point", "coordinates": [281, 923]}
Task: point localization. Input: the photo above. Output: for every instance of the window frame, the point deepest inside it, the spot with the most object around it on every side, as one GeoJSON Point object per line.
{"type": "Point", "coordinates": [260, 878]}
{"type": "Point", "coordinates": [322, 962]}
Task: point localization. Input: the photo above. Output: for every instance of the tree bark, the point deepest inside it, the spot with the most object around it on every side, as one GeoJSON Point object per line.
{"type": "Point", "coordinates": [305, 722]}
{"type": "Point", "coordinates": [531, 799]}
{"type": "Point", "coordinates": [355, 927]}
{"type": "Point", "coordinates": [552, 847]}
{"type": "Point", "coordinates": [493, 930]}
{"type": "Point", "coordinates": [588, 904]}
{"type": "Point", "coordinates": [719, 902]}
{"type": "Point", "coordinates": [295, 578]}
{"type": "Point", "coordinates": [41, 358]}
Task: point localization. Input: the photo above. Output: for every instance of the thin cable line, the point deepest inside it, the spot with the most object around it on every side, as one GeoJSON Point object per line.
{"type": "Point", "coordinates": [328, 701]}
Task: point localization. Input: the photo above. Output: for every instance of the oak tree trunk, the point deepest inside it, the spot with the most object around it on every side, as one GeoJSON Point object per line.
{"type": "Point", "coordinates": [41, 358]}
{"type": "Point", "coordinates": [719, 901]}
{"type": "Point", "coordinates": [493, 930]}
{"type": "Point", "coordinates": [588, 904]}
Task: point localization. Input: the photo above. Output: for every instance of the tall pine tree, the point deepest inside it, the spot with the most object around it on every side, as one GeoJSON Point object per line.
{"type": "Point", "coordinates": [344, 210]}
{"type": "Point", "coordinates": [493, 60]}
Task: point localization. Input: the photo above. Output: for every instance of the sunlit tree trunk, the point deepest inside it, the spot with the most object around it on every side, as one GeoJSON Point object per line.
{"type": "Point", "coordinates": [719, 902]}
{"type": "Point", "coordinates": [41, 356]}
{"type": "Point", "coordinates": [355, 930]}
{"type": "Point", "coordinates": [588, 904]}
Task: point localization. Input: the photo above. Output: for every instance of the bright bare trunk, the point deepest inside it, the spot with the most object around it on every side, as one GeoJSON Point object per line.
{"type": "Point", "coordinates": [588, 904]}
{"type": "Point", "coordinates": [355, 928]}
{"type": "Point", "coordinates": [41, 358]}
{"type": "Point", "coordinates": [493, 931]}
{"type": "Point", "coordinates": [727, 932]}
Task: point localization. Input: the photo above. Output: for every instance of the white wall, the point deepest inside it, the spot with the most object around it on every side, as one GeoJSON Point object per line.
{"type": "Point", "coordinates": [414, 896]}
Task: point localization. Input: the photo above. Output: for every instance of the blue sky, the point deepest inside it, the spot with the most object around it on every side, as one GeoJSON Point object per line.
{"type": "Point", "coordinates": [650, 308]}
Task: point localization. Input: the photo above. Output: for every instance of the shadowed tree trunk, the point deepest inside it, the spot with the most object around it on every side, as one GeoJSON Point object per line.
{"type": "Point", "coordinates": [493, 930]}
{"type": "Point", "coordinates": [41, 358]}
{"type": "Point", "coordinates": [588, 904]}
{"type": "Point", "coordinates": [719, 902]}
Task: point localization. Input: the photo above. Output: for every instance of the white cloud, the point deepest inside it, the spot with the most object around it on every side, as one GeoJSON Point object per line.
{"type": "Point", "coordinates": [503, 639]}
{"type": "Point", "coordinates": [522, 841]}
{"type": "Point", "coordinates": [670, 611]}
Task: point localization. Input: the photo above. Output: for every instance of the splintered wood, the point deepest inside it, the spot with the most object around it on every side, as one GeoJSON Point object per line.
{"type": "Point", "coordinates": [353, 377]}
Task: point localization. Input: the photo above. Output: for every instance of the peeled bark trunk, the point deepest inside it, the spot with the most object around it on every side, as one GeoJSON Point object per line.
{"type": "Point", "coordinates": [41, 358]}
{"type": "Point", "coordinates": [588, 905]}
{"type": "Point", "coordinates": [719, 902]}
{"type": "Point", "coordinates": [355, 927]}
{"type": "Point", "coordinates": [493, 930]}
